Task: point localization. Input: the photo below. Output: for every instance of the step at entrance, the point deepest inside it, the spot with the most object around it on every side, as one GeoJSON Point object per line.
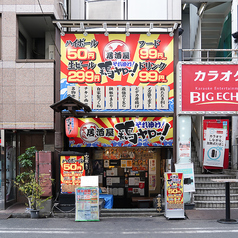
{"type": "Point", "coordinates": [211, 194]}
{"type": "Point", "coordinates": [116, 212]}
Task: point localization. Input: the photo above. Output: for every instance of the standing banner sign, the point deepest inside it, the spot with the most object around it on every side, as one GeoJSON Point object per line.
{"type": "Point", "coordinates": [87, 204]}
{"type": "Point", "coordinates": [71, 170]}
{"type": "Point", "coordinates": [174, 189]}
{"type": "Point", "coordinates": [214, 147]}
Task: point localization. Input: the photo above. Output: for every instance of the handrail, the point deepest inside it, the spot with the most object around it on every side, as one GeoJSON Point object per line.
{"type": "Point", "coordinates": [209, 56]}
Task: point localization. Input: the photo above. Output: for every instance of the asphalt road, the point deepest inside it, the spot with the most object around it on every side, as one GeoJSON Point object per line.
{"type": "Point", "coordinates": [115, 227]}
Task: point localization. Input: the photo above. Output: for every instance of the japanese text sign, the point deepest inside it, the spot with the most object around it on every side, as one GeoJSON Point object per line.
{"type": "Point", "coordinates": [71, 170]}
{"type": "Point", "coordinates": [124, 131]}
{"type": "Point", "coordinates": [214, 147]}
{"type": "Point", "coordinates": [210, 87]}
{"type": "Point", "coordinates": [118, 72]}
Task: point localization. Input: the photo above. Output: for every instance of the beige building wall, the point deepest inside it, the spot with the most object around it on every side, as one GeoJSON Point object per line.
{"type": "Point", "coordinates": [26, 86]}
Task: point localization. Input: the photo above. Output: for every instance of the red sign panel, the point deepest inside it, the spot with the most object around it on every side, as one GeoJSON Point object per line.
{"type": "Point", "coordinates": [210, 87]}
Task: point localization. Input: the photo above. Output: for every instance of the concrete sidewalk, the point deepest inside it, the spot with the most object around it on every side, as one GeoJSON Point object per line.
{"type": "Point", "coordinates": [19, 211]}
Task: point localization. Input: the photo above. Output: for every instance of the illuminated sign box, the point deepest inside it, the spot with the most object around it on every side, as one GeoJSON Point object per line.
{"type": "Point", "coordinates": [209, 88]}
{"type": "Point", "coordinates": [123, 131]}
{"type": "Point", "coordinates": [118, 72]}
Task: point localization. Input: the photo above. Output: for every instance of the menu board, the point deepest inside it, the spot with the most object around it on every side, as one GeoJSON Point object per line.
{"type": "Point", "coordinates": [71, 170]}
{"type": "Point", "coordinates": [87, 204]}
{"type": "Point", "coordinates": [174, 189]}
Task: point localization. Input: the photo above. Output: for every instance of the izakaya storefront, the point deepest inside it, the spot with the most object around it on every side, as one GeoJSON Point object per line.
{"type": "Point", "coordinates": [209, 95]}
{"type": "Point", "coordinates": [128, 81]}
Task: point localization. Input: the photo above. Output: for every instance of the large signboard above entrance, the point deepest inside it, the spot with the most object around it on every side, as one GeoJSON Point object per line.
{"type": "Point", "coordinates": [209, 88]}
{"type": "Point", "coordinates": [119, 73]}
{"type": "Point", "coordinates": [123, 131]}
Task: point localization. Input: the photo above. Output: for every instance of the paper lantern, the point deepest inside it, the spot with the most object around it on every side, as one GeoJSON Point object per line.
{"type": "Point", "coordinates": [71, 127]}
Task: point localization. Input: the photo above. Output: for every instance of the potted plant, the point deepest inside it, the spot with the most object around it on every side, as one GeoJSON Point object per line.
{"type": "Point", "coordinates": [28, 183]}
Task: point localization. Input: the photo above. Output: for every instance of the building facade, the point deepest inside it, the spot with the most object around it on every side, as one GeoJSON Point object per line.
{"type": "Point", "coordinates": [130, 63]}
{"type": "Point", "coordinates": [27, 80]}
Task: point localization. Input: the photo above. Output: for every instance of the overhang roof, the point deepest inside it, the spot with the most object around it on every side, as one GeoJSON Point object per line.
{"type": "Point", "coordinates": [70, 104]}
{"type": "Point", "coordinates": [113, 25]}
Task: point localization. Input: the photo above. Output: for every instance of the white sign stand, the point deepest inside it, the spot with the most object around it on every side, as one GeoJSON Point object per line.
{"type": "Point", "coordinates": [173, 191]}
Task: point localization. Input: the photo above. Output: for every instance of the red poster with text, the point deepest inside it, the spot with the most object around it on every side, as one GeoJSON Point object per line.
{"type": "Point", "coordinates": [222, 124]}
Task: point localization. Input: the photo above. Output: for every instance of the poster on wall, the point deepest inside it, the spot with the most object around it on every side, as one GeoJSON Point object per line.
{"type": "Point", "coordinates": [184, 149]}
{"type": "Point", "coordinates": [152, 166]}
{"type": "Point", "coordinates": [174, 190]}
{"type": "Point", "coordinates": [217, 124]}
{"type": "Point", "coordinates": [188, 176]}
{"type": "Point", "coordinates": [214, 147]}
{"type": "Point", "coordinates": [123, 131]}
{"type": "Point", "coordinates": [117, 72]}
{"type": "Point", "coordinates": [71, 170]}
{"type": "Point", "coordinates": [152, 182]}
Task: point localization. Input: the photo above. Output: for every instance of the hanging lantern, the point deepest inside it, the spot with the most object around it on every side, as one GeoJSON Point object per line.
{"type": "Point", "coordinates": [71, 127]}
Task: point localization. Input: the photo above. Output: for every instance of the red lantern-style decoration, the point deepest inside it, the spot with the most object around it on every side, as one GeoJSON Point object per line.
{"type": "Point", "coordinates": [71, 127]}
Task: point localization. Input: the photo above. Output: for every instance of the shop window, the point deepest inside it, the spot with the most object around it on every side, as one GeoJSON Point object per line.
{"type": "Point", "coordinates": [35, 36]}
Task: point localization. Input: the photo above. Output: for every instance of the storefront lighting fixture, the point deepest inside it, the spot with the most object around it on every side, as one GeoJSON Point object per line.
{"type": "Point", "coordinates": [127, 29]}
{"type": "Point", "coordinates": [184, 6]}
{"type": "Point", "coordinates": [105, 28]}
{"type": "Point", "coordinates": [173, 29]}
{"type": "Point", "coordinates": [82, 26]}
{"type": "Point", "coordinates": [202, 8]}
{"type": "Point", "coordinates": [83, 29]}
{"type": "Point", "coordinates": [62, 33]}
{"type": "Point", "coordinates": [151, 27]}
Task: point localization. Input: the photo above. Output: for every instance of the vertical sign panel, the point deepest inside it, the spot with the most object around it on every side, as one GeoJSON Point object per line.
{"type": "Point", "coordinates": [73, 91]}
{"type": "Point", "coordinates": [149, 97]}
{"type": "Point", "coordinates": [111, 97]}
{"type": "Point", "coordinates": [98, 97]}
{"type": "Point", "coordinates": [86, 95]}
{"type": "Point", "coordinates": [136, 97]}
{"type": "Point", "coordinates": [162, 97]}
{"type": "Point", "coordinates": [124, 97]}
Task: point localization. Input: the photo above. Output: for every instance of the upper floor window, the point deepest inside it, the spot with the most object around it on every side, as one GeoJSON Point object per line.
{"type": "Point", "coordinates": [35, 37]}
